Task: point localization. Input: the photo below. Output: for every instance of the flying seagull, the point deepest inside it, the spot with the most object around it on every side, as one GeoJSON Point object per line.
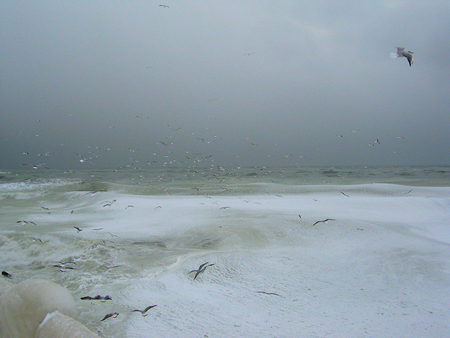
{"type": "Point", "coordinates": [109, 315]}
{"type": "Point", "coordinates": [36, 166]}
{"type": "Point", "coordinates": [402, 53]}
{"type": "Point", "coordinates": [82, 159]}
{"type": "Point", "coordinates": [201, 269]}
{"type": "Point", "coordinates": [324, 221]}
{"type": "Point", "coordinates": [145, 310]}
{"type": "Point", "coordinates": [25, 222]}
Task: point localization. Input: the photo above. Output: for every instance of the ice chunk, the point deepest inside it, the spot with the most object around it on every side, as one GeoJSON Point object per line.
{"type": "Point", "coordinates": [57, 325]}
{"type": "Point", "coordinates": [25, 305]}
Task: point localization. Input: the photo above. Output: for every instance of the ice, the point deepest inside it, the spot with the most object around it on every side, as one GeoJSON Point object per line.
{"type": "Point", "coordinates": [378, 268]}
{"type": "Point", "coordinates": [57, 325]}
{"type": "Point", "coordinates": [25, 305]}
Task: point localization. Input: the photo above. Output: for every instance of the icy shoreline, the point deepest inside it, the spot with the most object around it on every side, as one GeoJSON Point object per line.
{"type": "Point", "coordinates": [378, 268]}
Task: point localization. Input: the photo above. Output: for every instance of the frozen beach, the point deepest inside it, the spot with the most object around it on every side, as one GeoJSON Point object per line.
{"type": "Point", "coordinates": [379, 267]}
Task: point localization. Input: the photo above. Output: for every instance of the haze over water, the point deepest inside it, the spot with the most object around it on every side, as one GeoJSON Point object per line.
{"type": "Point", "coordinates": [230, 84]}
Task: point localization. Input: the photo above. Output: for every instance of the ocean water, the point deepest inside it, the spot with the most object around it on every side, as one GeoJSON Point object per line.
{"type": "Point", "coordinates": [379, 267]}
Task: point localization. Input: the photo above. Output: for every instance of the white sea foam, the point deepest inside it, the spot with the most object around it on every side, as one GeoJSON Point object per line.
{"type": "Point", "coordinates": [379, 267]}
{"type": "Point", "coordinates": [374, 270]}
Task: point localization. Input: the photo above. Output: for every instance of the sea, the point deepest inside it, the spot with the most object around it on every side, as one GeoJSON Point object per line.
{"type": "Point", "coordinates": [240, 252]}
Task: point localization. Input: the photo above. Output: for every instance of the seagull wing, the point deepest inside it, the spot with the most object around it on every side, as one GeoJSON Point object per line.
{"type": "Point", "coordinates": [202, 265]}
{"type": "Point", "coordinates": [409, 57]}
{"type": "Point", "coordinates": [148, 308]}
{"type": "Point", "coordinates": [199, 272]}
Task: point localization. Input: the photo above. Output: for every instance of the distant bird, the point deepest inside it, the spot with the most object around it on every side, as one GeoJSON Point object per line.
{"type": "Point", "coordinates": [63, 268]}
{"type": "Point", "coordinates": [324, 221]}
{"type": "Point", "coordinates": [6, 274]}
{"type": "Point", "coordinates": [83, 159]}
{"type": "Point", "coordinates": [109, 203]}
{"type": "Point", "coordinates": [145, 310]}
{"type": "Point", "coordinates": [200, 269]}
{"type": "Point", "coordinates": [25, 222]}
{"type": "Point", "coordinates": [36, 166]}
{"type": "Point", "coordinates": [109, 315]}
{"type": "Point", "coordinates": [268, 293]}
{"type": "Point", "coordinates": [402, 53]}
{"type": "Point", "coordinates": [164, 6]}
{"type": "Point", "coordinates": [377, 141]}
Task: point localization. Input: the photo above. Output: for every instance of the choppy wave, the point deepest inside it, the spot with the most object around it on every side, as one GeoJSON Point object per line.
{"type": "Point", "coordinates": [214, 181]}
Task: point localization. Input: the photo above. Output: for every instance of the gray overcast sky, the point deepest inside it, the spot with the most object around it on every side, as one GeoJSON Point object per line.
{"type": "Point", "coordinates": [247, 83]}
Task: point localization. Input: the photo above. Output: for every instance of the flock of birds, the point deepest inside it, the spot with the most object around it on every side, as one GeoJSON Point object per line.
{"type": "Point", "coordinates": [196, 272]}
{"type": "Point", "coordinates": [401, 52]}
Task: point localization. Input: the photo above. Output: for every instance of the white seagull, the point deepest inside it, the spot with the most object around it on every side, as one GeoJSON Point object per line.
{"type": "Point", "coordinates": [401, 53]}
